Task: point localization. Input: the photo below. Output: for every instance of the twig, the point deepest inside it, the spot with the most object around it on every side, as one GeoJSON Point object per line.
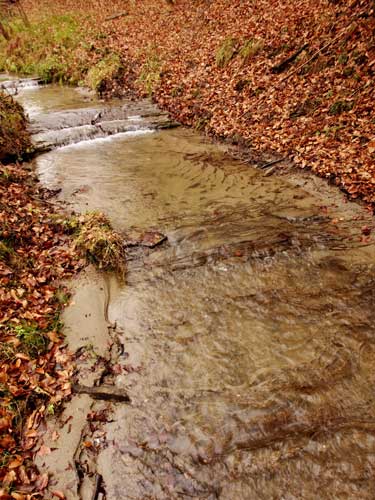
{"type": "Point", "coordinates": [4, 32]}
{"type": "Point", "coordinates": [98, 483]}
{"type": "Point", "coordinates": [270, 171]}
{"type": "Point", "coordinates": [273, 162]}
{"type": "Point", "coordinates": [106, 393]}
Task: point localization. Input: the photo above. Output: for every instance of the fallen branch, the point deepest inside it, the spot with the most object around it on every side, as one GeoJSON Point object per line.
{"type": "Point", "coordinates": [106, 393]}
{"type": "Point", "coordinates": [4, 32]}
{"type": "Point", "coordinates": [23, 14]}
{"type": "Point", "coordinates": [98, 485]}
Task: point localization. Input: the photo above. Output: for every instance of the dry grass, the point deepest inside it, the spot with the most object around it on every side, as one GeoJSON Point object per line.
{"type": "Point", "coordinates": [251, 47]}
{"type": "Point", "coordinates": [226, 52]}
{"type": "Point", "coordinates": [99, 243]}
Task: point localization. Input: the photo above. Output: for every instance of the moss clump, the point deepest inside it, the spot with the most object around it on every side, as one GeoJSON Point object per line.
{"type": "Point", "coordinates": [14, 138]}
{"type": "Point", "coordinates": [103, 72]}
{"type": "Point", "coordinates": [99, 243]}
{"type": "Point", "coordinates": [226, 52]}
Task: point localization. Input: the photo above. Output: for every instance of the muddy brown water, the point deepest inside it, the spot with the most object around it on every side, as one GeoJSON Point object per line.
{"type": "Point", "coordinates": [248, 336]}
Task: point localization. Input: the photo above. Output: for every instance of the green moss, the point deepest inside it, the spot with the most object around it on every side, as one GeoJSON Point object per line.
{"type": "Point", "coordinates": [339, 107]}
{"type": "Point", "coordinates": [343, 58]}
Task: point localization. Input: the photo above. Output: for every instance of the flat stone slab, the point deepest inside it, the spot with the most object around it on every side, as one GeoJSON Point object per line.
{"type": "Point", "coordinates": [61, 128]}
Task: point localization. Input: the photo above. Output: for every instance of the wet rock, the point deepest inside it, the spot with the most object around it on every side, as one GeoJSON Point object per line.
{"type": "Point", "coordinates": [70, 127]}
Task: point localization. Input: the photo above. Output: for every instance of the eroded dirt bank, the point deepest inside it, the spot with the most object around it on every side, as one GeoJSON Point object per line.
{"type": "Point", "coordinates": [237, 360]}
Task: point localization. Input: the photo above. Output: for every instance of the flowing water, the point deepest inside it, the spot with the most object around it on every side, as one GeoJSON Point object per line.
{"type": "Point", "coordinates": [248, 334]}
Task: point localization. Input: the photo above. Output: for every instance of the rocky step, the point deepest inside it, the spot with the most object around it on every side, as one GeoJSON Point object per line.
{"type": "Point", "coordinates": [50, 139]}
{"type": "Point", "coordinates": [132, 111]}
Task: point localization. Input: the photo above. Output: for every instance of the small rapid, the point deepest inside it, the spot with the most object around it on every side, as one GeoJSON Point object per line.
{"type": "Point", "coordinates": [248, 335]}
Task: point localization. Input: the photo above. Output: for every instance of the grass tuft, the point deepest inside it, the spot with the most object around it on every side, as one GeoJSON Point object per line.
{"type": "Point", "coordinates": [104, 71]}
{"type": "Point", "coordinates": [251, 47]}
{"type": "Point", "coordinates": [53, 48]}
{"type": "Point", "coordinates": [339, 107]}
{"type": "Point", "coordinates": [7, 351]}
{"type": "Point", "coordinates": [33, 342]}
{"type": "Point", "coordinates": [150, 74]}
{"type": "Point", "coordinates": [226, 52]}
{"type": "Point", "coordinates": [99, 243]}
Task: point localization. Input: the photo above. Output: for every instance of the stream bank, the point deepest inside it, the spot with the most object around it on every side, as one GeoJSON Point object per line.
{"type": "Point", "coordinates": [14, 137]}
{"type": "Point", "coordinates": [289, 80]}
{"type": "Point", "coordinates": [244, 340]}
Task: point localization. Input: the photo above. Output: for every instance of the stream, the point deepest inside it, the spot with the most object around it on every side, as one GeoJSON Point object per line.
{"type": "Point", "coordinates": [248, 335]}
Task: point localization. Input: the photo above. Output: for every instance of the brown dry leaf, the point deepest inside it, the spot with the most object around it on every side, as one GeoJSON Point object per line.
{"type": "Point", "coordinates": [42, 482]}
{"type": "Point", "coordinates": [53, 336]}
{"type": "Point", "coordinates": [23, 475]}
{"type": "Point", "coordinates": [10, 478]}
{"type": "Point", "coordinates": [4, 495]}
{"type": "Point", "coordinates": [5, 423]}
{"type": "Point", "coordinates": [18, 496]}
{"type": "Point", "coordinates": [15, 463]}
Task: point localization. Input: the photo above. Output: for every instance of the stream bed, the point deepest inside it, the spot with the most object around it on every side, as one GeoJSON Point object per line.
{"type": "Point", "coordinates": [248, 335]}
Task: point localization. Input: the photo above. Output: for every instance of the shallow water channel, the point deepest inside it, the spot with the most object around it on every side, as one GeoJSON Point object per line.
{"type": "Point", "coordinates": [248, 335]}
